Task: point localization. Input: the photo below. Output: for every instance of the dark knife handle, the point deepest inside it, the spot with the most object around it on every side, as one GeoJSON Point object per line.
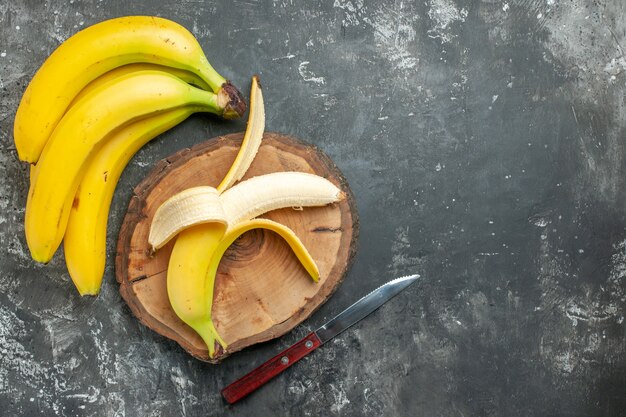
{"type": "Point", "coordinates": [254, 379]}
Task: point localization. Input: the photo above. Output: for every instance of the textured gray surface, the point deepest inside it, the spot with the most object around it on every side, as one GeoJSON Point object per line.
{"type": "Point", "coordinates": [484, 142]}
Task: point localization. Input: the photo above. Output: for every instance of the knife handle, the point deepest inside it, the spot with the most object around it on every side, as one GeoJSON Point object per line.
{"type": "Point", "coordinates": [259, 376]}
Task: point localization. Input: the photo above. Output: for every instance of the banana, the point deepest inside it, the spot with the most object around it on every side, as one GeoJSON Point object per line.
{"type": "Point", "coordinates": [251, 139]}
{"type": "Point", "coordinates": [192, 270]}
{"type": "Point", "coordinates": [206, 221]}
{"type": "Point", "coordinates": [85, 236]}
{"type": "Point", "coordinates": [82, 131]}
{"type": "Point", "coordinates": [200, 242]}
{"type": "Point", "coordinates": [186, 76]}
{"type": "Point", "coordinates": [97, 50]}
{"type": "Point", "coordinates": [245, 201]}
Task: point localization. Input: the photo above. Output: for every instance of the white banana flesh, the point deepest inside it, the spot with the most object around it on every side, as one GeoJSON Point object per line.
{"type": "Point", "coordinates": [268, 192]}
{"type": "Point", "coordinates": [243, 202]}
{"type": "Point", "coordinates": [193, 206]}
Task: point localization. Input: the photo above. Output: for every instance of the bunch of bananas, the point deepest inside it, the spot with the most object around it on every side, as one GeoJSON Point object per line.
{"type": "Point", "coordinates": [95, 101]}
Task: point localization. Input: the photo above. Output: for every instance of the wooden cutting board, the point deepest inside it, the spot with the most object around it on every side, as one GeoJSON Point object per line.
{"type": "Point", "coordinates": [261, 291]}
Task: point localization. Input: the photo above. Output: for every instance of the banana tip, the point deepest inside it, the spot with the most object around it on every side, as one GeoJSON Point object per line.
{"type": "Point", "coordinates": [42, 258]}
{"type": "Point", "coordinates": [91, 292]}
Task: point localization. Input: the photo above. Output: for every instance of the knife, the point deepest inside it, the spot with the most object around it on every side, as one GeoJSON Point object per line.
{"type": "Point", "coordinates": [351, 315]}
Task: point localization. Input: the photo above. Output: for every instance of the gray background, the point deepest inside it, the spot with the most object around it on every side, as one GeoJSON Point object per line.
{"type": "Point", "coordinates": [484, 141]}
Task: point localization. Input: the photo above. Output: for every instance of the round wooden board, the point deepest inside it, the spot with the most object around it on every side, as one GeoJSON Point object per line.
{"type": "Point", "coordinates": [261, 291]}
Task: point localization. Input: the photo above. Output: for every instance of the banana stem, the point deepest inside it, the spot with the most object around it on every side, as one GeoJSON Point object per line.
{"type": "Point", "coordinates": [209, 102]}
{"type": "Point", "coordinates": [209, 335]}
{"type": "Point", "coordinates": [209, 75]}
{"type": "Point", "coordinates": [232, 100]}
{"type": "Point", "coordinates": [229, 97]}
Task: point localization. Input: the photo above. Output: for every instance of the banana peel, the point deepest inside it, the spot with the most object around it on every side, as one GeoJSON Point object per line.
{"type": "Point", "coordinates": [193, 266]}
{"type": "Point", "coordinates": [251, 139]}
{"type": "Point", "coordinates": [188, 289]}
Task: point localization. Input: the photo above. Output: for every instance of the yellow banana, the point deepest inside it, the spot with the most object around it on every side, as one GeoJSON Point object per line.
{"type": "Point", "coordinates": [193, 266]}
{"type": "Point", "coordinates": [186, 76]}
{"type": "Point", "coordinates": [189, 292]}
{"type": "Point", "coordinates": [82, 131]}
{"type": "Point", "coordinates": [85, 236]}
{"type": "Point", "coordinates": [97, 50]}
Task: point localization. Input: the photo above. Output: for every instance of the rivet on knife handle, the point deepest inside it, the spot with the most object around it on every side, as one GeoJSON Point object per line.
{"type": "Point", "coordinates": [259, 376]}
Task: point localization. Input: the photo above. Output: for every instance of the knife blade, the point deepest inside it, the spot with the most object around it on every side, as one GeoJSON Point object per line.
{"type": "Point", "coordinates": [351, 315]}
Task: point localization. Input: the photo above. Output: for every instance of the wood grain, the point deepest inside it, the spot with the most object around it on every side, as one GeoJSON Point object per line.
{"type": "Point", "coordinates": [261, 291]}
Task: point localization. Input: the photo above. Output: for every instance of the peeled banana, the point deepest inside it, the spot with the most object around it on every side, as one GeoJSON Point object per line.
{"type": "Point", "coordinates": [206, 221]}
{"type": "Point", "coordinates": [98, 49]}
{"type": "Point", "coordinates": [82, 131]}
{"type": "Point", "coordinates": [243, 202]}
{"type": "Point", "coordinates": [199, 247]}
{"type": "Point", "coordinates": [268, 192]}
